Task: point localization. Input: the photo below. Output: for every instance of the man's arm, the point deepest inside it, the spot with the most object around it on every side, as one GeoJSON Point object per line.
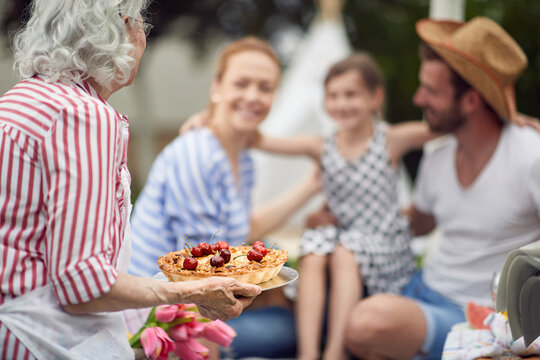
{"type": "Point", "coordinates": [321, 217]}
{"type": "Point", "coordinates": [421, 223]}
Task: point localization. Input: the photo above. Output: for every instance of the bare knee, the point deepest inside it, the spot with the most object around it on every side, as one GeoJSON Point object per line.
{"type": "Point", "coordinates": [342, 257]}
{"type": "Point", "coordinates": [313, 260]}
{"type": "Point", "coordinates": [370, 324]}
{"type": "Point", "coordinates": [382, 317]}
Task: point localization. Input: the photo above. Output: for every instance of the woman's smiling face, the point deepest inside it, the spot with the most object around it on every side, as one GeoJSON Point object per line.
{"type": "Point", "coordinates": [246, 89]}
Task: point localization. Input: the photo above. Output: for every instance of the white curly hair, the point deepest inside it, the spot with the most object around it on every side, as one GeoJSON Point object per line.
{"type": "Point", "coordinates": [72, 40]}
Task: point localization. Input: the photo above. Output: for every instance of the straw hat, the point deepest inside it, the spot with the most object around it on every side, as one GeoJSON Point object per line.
{"type": "Point", "coordinates": [483, 54]}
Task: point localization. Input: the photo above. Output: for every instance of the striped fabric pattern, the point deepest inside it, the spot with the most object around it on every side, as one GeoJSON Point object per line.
{"type": "Point", "coordinates": [62, 206]}
{"type": "Point", "coordinates": [190, 190]}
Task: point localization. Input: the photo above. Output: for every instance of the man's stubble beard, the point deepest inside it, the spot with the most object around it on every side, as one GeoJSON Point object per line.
{"type": "Point", "coordinates": [448, 121]}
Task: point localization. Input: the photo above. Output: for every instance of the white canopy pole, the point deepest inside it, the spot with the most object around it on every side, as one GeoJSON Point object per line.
{"type": "Point", "coordinates": [447, 9]}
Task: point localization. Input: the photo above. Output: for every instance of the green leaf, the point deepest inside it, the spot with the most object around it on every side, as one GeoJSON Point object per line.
{"type": "Point", "coordinates": [151, 321]}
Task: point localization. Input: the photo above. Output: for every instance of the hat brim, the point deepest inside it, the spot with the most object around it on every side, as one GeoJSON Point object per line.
{"type": "Point", "coordinates": [436, 35]}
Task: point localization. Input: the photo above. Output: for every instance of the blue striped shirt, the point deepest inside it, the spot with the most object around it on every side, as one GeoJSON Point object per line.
{"type": "Point", "coordinates": [190, 190]}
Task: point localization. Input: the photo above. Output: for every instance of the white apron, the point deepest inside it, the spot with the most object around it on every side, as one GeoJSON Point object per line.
{"type": "Point", "coordinates": [48, 332]}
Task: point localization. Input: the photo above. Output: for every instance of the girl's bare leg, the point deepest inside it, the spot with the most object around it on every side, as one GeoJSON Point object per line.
{"type": "Point", "coordinates": [310, 305]}
{"type": "Point", "coordinates": [345, 292]}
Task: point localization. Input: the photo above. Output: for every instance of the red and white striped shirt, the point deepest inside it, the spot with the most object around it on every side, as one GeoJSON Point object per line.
{"type": "Point", "coordinates": [63, 208]}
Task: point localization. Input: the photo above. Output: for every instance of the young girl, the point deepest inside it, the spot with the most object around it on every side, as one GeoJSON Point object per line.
{"type": "Point", "coordinates": [369, 248]}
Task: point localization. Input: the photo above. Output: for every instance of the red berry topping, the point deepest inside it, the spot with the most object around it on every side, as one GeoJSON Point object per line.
{"type": "Point", "coordinates": [261, 249]}
{"type": "Point", "coordinates": [205, 248]}
{"type": "Point", "coordinates": [197, 251]}
{"type": "Point", "coordinates": [214, 248]}
{"type": "Point", "coordinates": [217, 261]}
{"type": "Point", "coordinates": [190, 263]}
{"type": "Point", "coordinates": [225, 254]}
{"type": "Point", "coordinates": [258, 243]}
{"type": "Point", "coordinates": [254, 255]}
{"type": "Point", "coordinates": [223, 244]}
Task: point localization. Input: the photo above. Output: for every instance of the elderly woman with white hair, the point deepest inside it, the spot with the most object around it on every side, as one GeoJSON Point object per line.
{"type": "Point", "coordinates": [64, 190]}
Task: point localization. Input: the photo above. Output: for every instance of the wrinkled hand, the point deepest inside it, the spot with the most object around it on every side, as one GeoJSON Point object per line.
{"type": "Point", "coordinates": [526, 120]}
{"type": "Point", "coordinates": [223, 298]}
{"type": "Point", "coordinates": [321, 218]}
{"type": "Point", "coordinates": [195, 121]}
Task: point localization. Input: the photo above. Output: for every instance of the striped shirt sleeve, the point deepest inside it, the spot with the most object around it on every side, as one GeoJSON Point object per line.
{"type": "Point", "coordinates": [64, 194]}
{"type": "Point", "coordinates": [190, 191]}
{"type": "Point", "coordinates": [80, 172]}
{"type": "Point", "coordinates": [193, 190]}
{"type": "Point", "coordinates": [178, 199]}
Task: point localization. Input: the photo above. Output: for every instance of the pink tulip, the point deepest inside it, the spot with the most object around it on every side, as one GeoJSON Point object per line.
{"type": "Point", "coordinates": [156, 343]}
{"type": "Point", "coordinates": [179, 333]}
{"type": "Point", "coordinates": [183, 332]}
{"type": "Point", "coordinates": [167, 313]}
{"type": "Point", "coordinates": [190, 350]}
{"type": "Point", "coordinates": [219, 332]}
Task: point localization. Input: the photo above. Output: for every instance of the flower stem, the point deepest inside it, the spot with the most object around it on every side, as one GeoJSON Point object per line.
{"type": "Point", "coordinates": [135, 340]}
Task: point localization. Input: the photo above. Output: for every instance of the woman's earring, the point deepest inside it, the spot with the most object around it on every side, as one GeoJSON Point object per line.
{"type": "Point", "coordinates": [216, 98]}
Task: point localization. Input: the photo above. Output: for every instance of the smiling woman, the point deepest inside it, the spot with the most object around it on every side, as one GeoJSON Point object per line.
{"type": "Point", "coordinates": [202, 181]}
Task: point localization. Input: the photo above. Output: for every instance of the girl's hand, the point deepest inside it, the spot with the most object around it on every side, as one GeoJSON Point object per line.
{"type": "Point", "coordinates": [195, 121]}
{"type": "Point", "coordinates": [526, 120]}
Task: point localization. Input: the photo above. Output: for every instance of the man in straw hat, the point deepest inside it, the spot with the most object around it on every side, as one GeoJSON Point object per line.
{"type": "Point", "coordinates": [480, 186]}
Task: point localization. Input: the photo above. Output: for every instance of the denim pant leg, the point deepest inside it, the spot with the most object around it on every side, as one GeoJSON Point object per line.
{"type": "Point", "coordinates": [267, 332]}
{"type": "Point", "coordinates": [441, 314]}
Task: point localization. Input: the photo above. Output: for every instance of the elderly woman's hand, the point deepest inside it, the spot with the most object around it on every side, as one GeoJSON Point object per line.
{"type": "Point", "coordinates": [221, 297]}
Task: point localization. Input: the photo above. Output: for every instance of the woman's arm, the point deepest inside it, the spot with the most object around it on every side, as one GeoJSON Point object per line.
{"type": "Point", "coordinates": [271, 215]}
{"type": "Point", "coordinates": [298, 145]}
{"type": "Point", "coordinates": [402, 138]}
{"type": "Point", "coordinates": [216, 297]}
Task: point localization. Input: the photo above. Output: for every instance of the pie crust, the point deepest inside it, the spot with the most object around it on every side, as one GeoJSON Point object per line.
{"type": "Point", "coordinates": [241, 269]}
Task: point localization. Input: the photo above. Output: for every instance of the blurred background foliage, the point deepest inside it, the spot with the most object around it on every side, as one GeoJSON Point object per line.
{"type": "Point", "coordinates": [383, 27]}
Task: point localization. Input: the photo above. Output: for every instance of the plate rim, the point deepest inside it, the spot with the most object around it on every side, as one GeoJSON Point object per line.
{"type": "Point", "coordinates": [161, 277]}
{"type": "Point", "coordinates": [288, 281]}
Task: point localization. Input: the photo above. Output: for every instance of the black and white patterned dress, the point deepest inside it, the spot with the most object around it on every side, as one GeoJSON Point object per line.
{"type": "Point", "coordinates": [362, 194]}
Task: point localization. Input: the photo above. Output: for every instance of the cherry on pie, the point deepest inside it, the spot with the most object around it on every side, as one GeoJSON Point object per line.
{"type": "Point", "coordinates": [239, 267]}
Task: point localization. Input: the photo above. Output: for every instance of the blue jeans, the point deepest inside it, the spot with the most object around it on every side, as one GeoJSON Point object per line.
{"type": "Point", "coordinates": [267, 332]}
{"type": "Point", "coordinates": [441, 314]}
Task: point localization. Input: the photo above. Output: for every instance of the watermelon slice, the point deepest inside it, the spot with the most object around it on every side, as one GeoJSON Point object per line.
{"type": "Point", "coordinates": [476, 314]}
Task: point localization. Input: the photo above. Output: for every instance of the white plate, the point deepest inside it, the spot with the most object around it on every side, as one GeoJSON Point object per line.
{"type": "Point", "coordinates": [286, 275]}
